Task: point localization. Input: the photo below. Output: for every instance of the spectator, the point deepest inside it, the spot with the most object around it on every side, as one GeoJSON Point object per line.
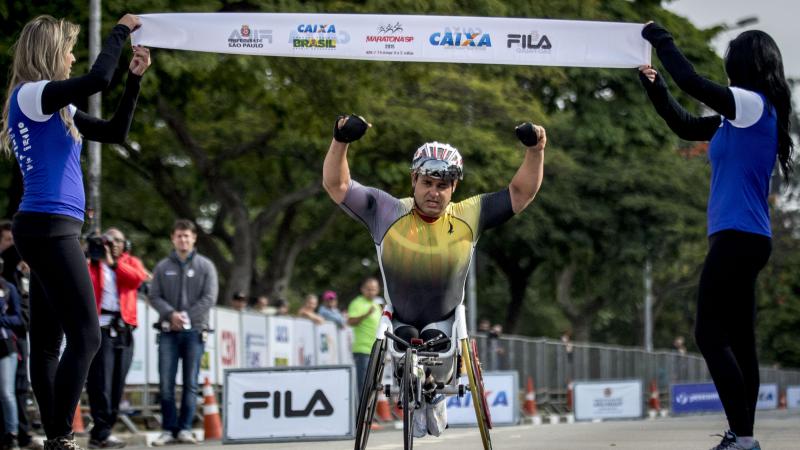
{"type": "Point", "coordinates": [680, 345]}
{"type": "Point", "coordinates": [263, 306]}
{"type": "Point", "coordinates": [183, 290]}
{"type": "Point", "coordinates": [239, 301]}
{"type": "Point", "coordinates": [17, 273]}
{"type": "Point", "coordinates": [364, 315]}
{"type": "Point", "coordinates": [484, 327]}
{"type": "Point", "coordinates": [330, 309]}
{"type": "Point", "coordinates": [10, 320]}
{"type": "Point", "coordinates": [309, 308]}
{"type": "Point", "coordinates": [116, 276]}
{"type": "Point", "coordinates": [496, 350]}
{"type": "Point", "coordinates": [9, 253]}
{"type": "Point", "coordinates": [281, 307]}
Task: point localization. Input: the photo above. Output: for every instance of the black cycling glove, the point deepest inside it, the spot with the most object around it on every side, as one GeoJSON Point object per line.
{"type": "Point", "coordinates": [352, 130]}
{"type": "Point", "coordinates": [526, 134]}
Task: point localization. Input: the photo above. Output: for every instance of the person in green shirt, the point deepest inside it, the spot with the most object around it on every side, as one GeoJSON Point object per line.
{"type": "Point", "coordinates": [363, 314]}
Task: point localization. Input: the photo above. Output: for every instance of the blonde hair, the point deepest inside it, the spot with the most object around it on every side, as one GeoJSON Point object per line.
{"type": "Point", "coordinates": [40, 53]}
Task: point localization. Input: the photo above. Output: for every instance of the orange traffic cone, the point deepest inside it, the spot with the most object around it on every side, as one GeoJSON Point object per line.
{"type": "Point", "coordinates": [211, 423]}
{"type": "Point", "coordinates": [530, 400]}
{"type": "Point", "coordinates": [654, 402]}
{"type": "Point", "coordinates": [382, 410]}
{"type": "Point", "coordinates": [655, 399]}
{"type": "Point", "coordinates": [77, 421]}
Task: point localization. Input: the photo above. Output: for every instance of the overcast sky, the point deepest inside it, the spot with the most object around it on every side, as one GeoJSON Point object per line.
{"type": "Point", "coordinates": [776, 17]}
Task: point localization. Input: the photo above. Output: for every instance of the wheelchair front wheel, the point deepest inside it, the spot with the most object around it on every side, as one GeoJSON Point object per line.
{"type": "Point", "coordinates": [470, 358]}
{"type": "Point", "coordinates": [407, 394]}
{"type": "Point", "coordinates": [369, 393]}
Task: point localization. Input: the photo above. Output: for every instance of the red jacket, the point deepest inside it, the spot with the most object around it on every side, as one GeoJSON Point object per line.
{"type": "Point", "coordinates": [130, 275]}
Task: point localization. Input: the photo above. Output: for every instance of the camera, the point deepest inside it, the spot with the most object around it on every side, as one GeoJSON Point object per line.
{"type": "Point", "coordinates": [96, 246]}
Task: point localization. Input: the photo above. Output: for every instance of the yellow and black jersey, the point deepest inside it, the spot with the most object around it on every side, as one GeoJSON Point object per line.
{"type": "Point", "coordinates": [424, 264]}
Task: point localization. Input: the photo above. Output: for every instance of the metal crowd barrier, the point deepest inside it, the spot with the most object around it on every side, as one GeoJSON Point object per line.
{"type": "Point", "coordinates": [235, 344]}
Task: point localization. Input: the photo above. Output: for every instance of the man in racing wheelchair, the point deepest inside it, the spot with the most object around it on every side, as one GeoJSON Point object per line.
{"type": "Point", "coordinates": [425, 243]}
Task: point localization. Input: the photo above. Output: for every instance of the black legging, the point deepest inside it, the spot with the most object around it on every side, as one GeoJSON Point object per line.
{"type": "Point", "coordinates": [725, 329]}
{"type": "Point", "coordinates": [62, 303]}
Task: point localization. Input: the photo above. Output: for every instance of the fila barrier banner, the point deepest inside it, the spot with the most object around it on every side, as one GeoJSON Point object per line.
{"type": "Point", "coordinates": [694, 398]}
{"type": "Point", "coordinates": [449, 39]}
{"type": "Point", "coordinates": [289, 404]}
{"type": "Point", "coordinates": [767, 396]}
{"type": "Point", "coordinates": [502, 397]}
{"type": "Point", "coordinates": [793, 397]}
{"type": "Point", "coordinates": [608, 399]}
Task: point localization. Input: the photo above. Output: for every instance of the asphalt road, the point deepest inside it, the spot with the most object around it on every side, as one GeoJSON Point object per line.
{"type": "Point", "coordinates": [776, 430]}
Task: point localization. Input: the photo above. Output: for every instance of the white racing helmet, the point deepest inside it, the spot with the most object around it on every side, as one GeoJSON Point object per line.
{"type": "Point", "coordinates": [438, 160]}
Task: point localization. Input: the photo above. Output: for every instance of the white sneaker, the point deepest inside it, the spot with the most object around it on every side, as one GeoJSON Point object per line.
{"type": "Point", "coordinates": [420, 423]}
{"type": "Point", "coordinates": [186, 437]}
{"type": "Point", "coordinates": [165, 438]}
{"type": "Point", "coordinates": [437, 415]}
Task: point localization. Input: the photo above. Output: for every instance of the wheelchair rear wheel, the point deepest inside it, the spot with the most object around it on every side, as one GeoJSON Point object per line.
{"type": "Point", "coordinates": [369, 394]}
{"type": "Point", "coordinates": [470, 355]}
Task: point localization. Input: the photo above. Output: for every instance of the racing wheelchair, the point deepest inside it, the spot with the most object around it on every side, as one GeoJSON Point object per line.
{"type": "Point", "coordinates": [412, 366]}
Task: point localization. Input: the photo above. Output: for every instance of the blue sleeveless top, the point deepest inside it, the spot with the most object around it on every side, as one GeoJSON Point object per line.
{"type": "Point", "coordinates": [48, 156]}
{"type": "Point", "coordinates": [742, 160]}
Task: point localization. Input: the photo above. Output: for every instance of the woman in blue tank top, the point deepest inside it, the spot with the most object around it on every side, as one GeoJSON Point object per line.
{"type": "Point", "coordinates": [748, 133]}
{"type": "Point", "coordinates": [44, 131]}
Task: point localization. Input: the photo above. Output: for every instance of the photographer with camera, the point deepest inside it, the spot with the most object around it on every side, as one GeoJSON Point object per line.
{"type": "Point", "coordinates": [116, 276]}
{"type": "Point", "coordinates": [183, 290]}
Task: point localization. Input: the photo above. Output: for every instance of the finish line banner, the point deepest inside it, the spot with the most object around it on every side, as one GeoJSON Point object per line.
{"type": "Point", "coordinates": [447, 39]}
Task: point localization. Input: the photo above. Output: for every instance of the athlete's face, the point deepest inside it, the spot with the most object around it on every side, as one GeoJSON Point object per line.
{"type": "Point", "coordinates": [183, 240]}
{"type": "Point", "coordinates": [432, 195]}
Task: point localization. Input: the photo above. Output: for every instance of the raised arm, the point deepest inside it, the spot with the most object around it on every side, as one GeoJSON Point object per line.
{"type": "Point", "coordinates": [335, 170]}
{"type": "Point", "coordinates": [60, 93]}
{"type": "Point", "coordinates": [684, 124]}
{"type": "Point", "coordinates": [715, 96]}
{"type": "Point", "coordinates": [115, 130]}
{"type": "Point", "coordinates": [528, 179]}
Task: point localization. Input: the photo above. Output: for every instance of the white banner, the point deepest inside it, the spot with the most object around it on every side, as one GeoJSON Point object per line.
{"type": "Point", "coordinates": [208, 363]}
{"type": "Point", "coordinates": [608, 400]}
{"type": "Point", "coordinates": [449, 39]}
{"type": "Point", "coordinates": [227, 338]}
{"type": "Point", "coordinates": [137, 374]}
{"type": "Point", "coordinates": [304, 335]}
{"type": "Point", "coordinates": [254, 335]}
{"type": "Point", "coordinates": [793, 397]}
{"type": "Point", "coordinates": [501, 390]}
{"type": "Point", "coordinates": [280, 346]}
{"type": "Point", "coordinates": [767, 396]}
{"type": "Point", "coordinates": [346, 346]}
{"type": "Point", "coordinates": [289, 404]}
{"type": "Point", "coordinates": [327, 345]}
{"type": "Point", "coordinates": [152, 345]}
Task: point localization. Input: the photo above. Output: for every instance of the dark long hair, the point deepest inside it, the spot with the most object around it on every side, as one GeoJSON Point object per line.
{"type": "Point", "coordinates": [753, 62]}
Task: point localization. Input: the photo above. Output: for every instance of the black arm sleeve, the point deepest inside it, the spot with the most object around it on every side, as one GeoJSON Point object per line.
{"type": "Point", "coordinates": [115, 130]}
{"type": "Point", "coordinates": [717, 97]}
{"type": "Point", "coordinates": [496, 209]}
{"type": "Point", "coordinates": [685, 125]}
{"type": "Point", "coordinates": [58, 94]}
